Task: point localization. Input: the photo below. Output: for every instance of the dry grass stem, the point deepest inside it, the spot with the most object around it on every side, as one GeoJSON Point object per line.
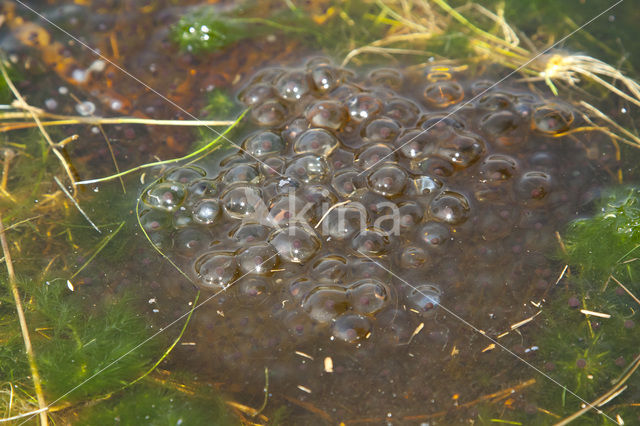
{"type": "Point", "coordinates": [625, 289]}
{"type": "Point", "coordinates": [75, 203]}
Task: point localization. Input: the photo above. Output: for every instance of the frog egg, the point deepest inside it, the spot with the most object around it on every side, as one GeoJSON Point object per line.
{"type": "Point", "coordinates": [319, 198]}
{"type": "Point", "coordinates": [498, 168]}
{"type": "Point", "coordinates": [216, 269]}
{"type": "Point", "coordinates": [462, 150]}
{"type": "Point", "coordinates": [160, 240]}
{"type": "Point", "coordinates": [316, 141]}
{"type": "Point", "coordinates": [252, 290]}
{"type": "Point", "coordinates": [205, 212]}
{"type": "Point", "coordinates": [373, 155]}
{"type": "Point", "coordinates": [442, 94]}
{"type": "Point", "coordinates": [301, 287]}
{"type": "Point", "coordinates": [295, 243]}
{"type": "Point", "coordinates": [363, 106]}
{"type": "Point", "coordinates": [287, 208]}
{"type": "Point", "coordinates": [388, 180]}
{"type": "Point", "coordinates": [243, 202]}
{"type": "Point", "coordinates": [370, 242]}
{"type": "Point", "coordinates": [259, 259]}
{"type": "Point", "coordinates": [552, 118]}
{"type": "Point", "coordinates": [330, 269]}
{"type": "Point", "coordinates": [344, 92]}
{"type": "Point", "coordinates": [435, 165]}
{"type": "Point", "coordinates": [263, 143]}
{"type": "Point", "coordinates": [480, 87]}
{"type": "Point", "coordinates": [203, 188]}
{"type": "Point", "coordinates": [425, 185]}
{"type": "Point", "coordinates": [281, 185]}
{"type": "Point", "coordinates": [351, 328]}
{"type": "Point", "coordinates": [325, 303]}
{"type": "Point", "coordinates": [495, 101]}
{"type": "Point", "coordinates": [534, 186]}
{"type": "Point", "coordinates": [382, 130]}
{"type": "Point", "coordinates": [184, 175]}
{"type": "Point", "coordinates": [450, 207]}
{"type": "Point", "coordinates": [166, 196]}
{"type": "Point", "coordinates": [292, 85]}
{"type": "Point", "coordinates": [271, 167]}
{"type": "Point", "coordinates": [308, 168]}
{"type": "Point", "coordinates": [424, 297]}
{"type": "Point", "coordinates": [346, 182]}
{"type": "Point", "coordinates": [340, 159]}
{"type": "Point", "coordinates": [413, 257]}
{"type": "Point", "coordinates": [242, 173]}
{"type": "Point", "coordinates": [256, 94]}
{"type": "Point", "coordinates": [434, 235]}
{"type": "Point", "coordinates": [188, 242]}
{"type": "Point", "coordinates": [376, 204]}
{"type": "Point", "coordinates": [344, 221]}
{"type": "Point", "coordinates": [387, 77]}
{"type": "Point", "coordinates": [325, 78]}
{"type": "Point", "coordinates": [504, 127]}
{"type": "Point", "coordinates": [293, 129]}
{"type": "Point", "coordinates": [269, 114]}
{"type": "Point", "coordinates": [154, 220]}
{"type": "Point", "coordinates": [182, 218]}
{"type": "Point", "coordinates": [250, 233]}
{"type": "Point", "coordinates": [267, 75]}
{"type": "Point", "coordinates": [402, 110]}
{"type": "Point", "coordinates": [328, 114]}
{"type": "Point", "coordinates": [496, 223]}
{"type": "Point", "coordinates": [368, 268]}
{"type": "Point", "coordinates": [410, 215]}
{"type": "Point", "coordinates": [368, 296]}
{"type": "Point", "coordinates": [416, 144]}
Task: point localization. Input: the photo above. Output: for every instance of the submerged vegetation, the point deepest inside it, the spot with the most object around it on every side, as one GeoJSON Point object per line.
{"type": "Point", "coordinates": [87, 327]}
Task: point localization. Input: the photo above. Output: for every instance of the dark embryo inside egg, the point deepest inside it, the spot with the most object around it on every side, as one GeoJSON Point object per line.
{"type": "Point", "coordinates": [360, 205]}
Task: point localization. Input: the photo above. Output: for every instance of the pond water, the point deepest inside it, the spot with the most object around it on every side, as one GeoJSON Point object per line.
{"type": "Point", "coordinates": [370, 239]}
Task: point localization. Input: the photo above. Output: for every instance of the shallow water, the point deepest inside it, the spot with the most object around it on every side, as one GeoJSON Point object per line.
{"type": "Point", "coordinates": [358, 323]}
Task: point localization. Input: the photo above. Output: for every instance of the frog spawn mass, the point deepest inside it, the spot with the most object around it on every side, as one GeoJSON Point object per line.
{"type": "Point", "coordinates": [352, 196]}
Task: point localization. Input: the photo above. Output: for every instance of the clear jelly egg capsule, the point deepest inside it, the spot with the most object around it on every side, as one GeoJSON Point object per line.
{"type": "Point", "coordinates": [450, 207]}
{"type": "Point", "coordinates": [374, 154]}
{"type": "Point", "coordinates": [216, 269]}
{"type": "Point", "coordinates": [462, 150]}
{"type": "Point", "coordinates": [351, 328]}
{"type": "Point", "coordinates": [325, 77]}
{"type": "Point", "coordinates": [388, 180]}
{"type": "Point", "coordinates": [252, 290]}
{"type": "Point", "coordinates": [442, 94]}
{"type": "Point", "coordinates": [292, 85]}
{"type": "Point", "coordinates": [495, 101]}
{"type": "Point", "coordinates": [287, 208]}
{"type": "Point", "coordinates": [402, 110]}
{"type": "Point", "coordinates": [203, 188]}
{"type": "Point", "coordinates": [319, 196]}
{"type": "Point", "coordinates": [325, 303]}
{"type": "Point", "coordinates": [272, 167]}
{"type": "Point", "coordinates": [327, 113]}
{"type": "Point", "coordinates": [434, 235]}
{"type": "Point", "coordinates": [387, 77]}
{"type": "Point", "coordinates": [293, 129]}
{"type": "Point", "coordinates": [242, 173]}
{"type": "Point", "coordinates": [255, 94]}
{"type": "Point", "coordinates": [504, 127]}
{"type": "Point", "coordinates": [270, 113]}
{"type": "Point", "coordinates": [368, 296]}
{"type": "Point", "coordinates": [259, 259]}
{"type": "Point", "coordinates": [308, 168]}
{"type": "Point", "coordinates": [425, 185]}
{"type": "Point", "coordinates": [250, 233]}
{"type": "Point", "coordinates": [424, 297]}
{"type": "Point", "coordinates": [534, 186]}
{"type": "Point", "coordinates": [165, 196]}
{"type": "Point", "coordinates": [413, 257]}
{"type": "Point", "coordinates": [416, 144]}
{"type": "Point", "coordinates": [369, 268]}
{"type": "Point", "coordinates": [498, 168]}
{"type": "Point", "coordinates": [243, 202]}
{"type": "Point", "coordinates": [370, 242]}
{"type": "Point", "coordinates": [299, 324]}
{"type": "Point", "coordinates": [206, 211]}
{"type": "Point", "coordinates": [184, 175]}
{"type": "Point", "coordinates": [344, 221]}
{"type": "Point", "coordinates": [347, 181]}
{"type": "Point", "coordinates": [436, 166]}
{"type": "Point", "coordinates": [189, 241]}
{"type": "Point", "coordinates": [363, 106]}
{"type": "Point", "coordinates": [382, 130]}
{"type": "Point", "coordinates": [496, 223]}
{"type": "Point", "coordinates": [552, 118]}
{"type": "Point", "coordinates": [301, 287]}
{"type": "Point", "coordinates": [154, 220]}
{"type": "Point", "coordinates": [316, 141]}
{"type": "Point", "coordinates": [409, 214]}
{"type": "Point", "coordinates": [296, 243]}
{"type": "Point", "coordinates": [330, 269]}
{"type": "Point", "coordinates": [263, 143]}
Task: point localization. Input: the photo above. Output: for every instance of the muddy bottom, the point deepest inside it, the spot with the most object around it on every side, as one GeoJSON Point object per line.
{"type": "Point", "coordinates": [370, 230]}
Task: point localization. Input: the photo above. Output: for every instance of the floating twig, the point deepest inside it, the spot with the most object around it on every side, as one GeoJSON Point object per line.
{"type": "Point", "coordinates": [595, 314]}
{"type": "Point", "coordinates": [625, 289]}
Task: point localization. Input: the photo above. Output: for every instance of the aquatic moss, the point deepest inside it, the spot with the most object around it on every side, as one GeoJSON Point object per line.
{"type": "Point", "coordinates": [203, 30]}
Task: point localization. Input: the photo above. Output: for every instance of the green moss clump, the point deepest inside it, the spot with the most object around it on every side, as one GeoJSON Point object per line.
{"type": "Point", "coordinates": [151, 405]}
{"type": "Point", "coordinates": [205, 31]}
{"type": "Point", "coordinates": [601, 245]}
